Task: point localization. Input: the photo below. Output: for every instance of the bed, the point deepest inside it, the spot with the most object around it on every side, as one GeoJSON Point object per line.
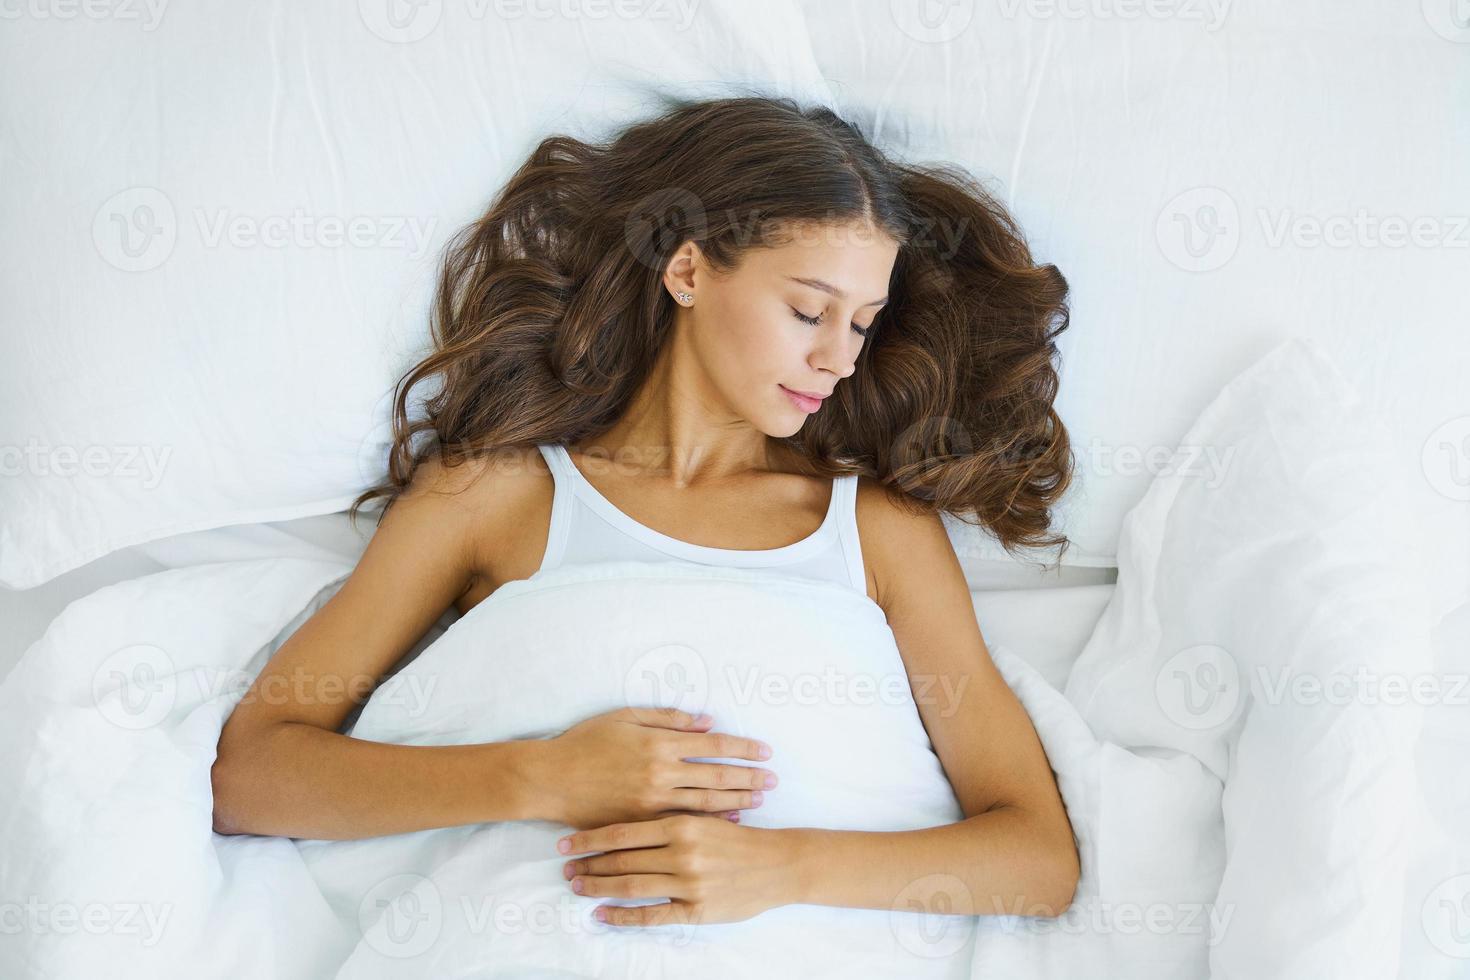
{"type": "Point", "coordinates": [1270, 421]}
{"type": "Point", "coordinates": [1181, 811]}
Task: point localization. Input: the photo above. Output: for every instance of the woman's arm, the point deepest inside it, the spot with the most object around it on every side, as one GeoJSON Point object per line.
{"type": "Point", "coordinates": [989, 864]}
{"type": "Point", "coordinates": [283, 769]}
{"type": "Point", "coordinates": [1015, 849]}
{"type": "Point", "coordinates": [298, 780]}
{"type": "Point", "coordinates": [1001, 862]}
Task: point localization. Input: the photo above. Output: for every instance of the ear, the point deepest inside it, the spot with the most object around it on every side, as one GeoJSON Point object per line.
{"type": "Point", "coordinates": [679, 274]}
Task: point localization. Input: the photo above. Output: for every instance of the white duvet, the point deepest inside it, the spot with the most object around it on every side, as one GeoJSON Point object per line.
{"type": "Point", "coordinates": [117, 710]}
{"type": "Point", "coordinates": [808, 667]}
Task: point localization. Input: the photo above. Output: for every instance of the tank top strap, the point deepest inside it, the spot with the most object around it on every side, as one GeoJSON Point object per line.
{"type": "Point", "coordinates": [845, 490]}
{"type": "Point", "coordinates": [561, 505]}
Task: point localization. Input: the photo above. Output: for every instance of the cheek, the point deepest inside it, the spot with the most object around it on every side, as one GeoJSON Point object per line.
{"type": "Point", "coordinates": [755, 343]}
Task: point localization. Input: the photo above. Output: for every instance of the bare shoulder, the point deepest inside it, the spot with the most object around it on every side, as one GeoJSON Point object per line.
{"type": "Point", "coordinates": [501, 501]}
{"type": "Point", "coordinates": [903, 543]}
{"type": "Point", "coordinates": [480, 476]}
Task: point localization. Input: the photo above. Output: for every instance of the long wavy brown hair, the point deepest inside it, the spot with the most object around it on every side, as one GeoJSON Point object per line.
{"type": "Point", "coordinates": [550, 309]}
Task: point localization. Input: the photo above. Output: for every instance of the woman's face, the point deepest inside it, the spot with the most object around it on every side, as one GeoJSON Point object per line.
{"type": "Point", "coordinates": [789, 319]}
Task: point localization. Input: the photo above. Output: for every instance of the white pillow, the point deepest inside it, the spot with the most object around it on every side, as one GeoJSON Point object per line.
{"type": "Point", "coordinates": [1248, 608]}
{"type": "Point", "coordinates": [181, 352]}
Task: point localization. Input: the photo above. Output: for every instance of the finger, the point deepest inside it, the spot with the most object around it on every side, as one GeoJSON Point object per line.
{"type": "Point", "coordinates": [664, 913]}
{"type": "Point", "coordinates": [722, 745]}
{"type": "Point", "coordinates": [616, 837]}
{"type": "Point", "coordinates": [716, 800]}
{"type": "Point", "coordinates": [732, 815]}
{"type": "Point", "coordinates": [643, 860]}
{"type": "Point", "coordinates": [714, 775]}
{"type": "Point", "coordinates": [626, 886]}
{"type": "Point", "coordinates": [658, 717]}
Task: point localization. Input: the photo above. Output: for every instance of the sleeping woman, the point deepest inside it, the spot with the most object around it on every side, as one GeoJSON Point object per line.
{"type": "Point", "coordinates": [737, 335]}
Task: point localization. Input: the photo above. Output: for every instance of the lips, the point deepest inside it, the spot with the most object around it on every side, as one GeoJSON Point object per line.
{"type": "Point", "coordinates": [803, 402]}
{"type": "Point", "coordinates": [817, 395]}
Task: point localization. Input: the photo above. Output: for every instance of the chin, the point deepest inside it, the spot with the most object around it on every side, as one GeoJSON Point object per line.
{"type": "Point", "coordinates": [782, 427]}
{"type": "Point", "coordinates": [793, 427]}
{"type": "Point", "coordinates": [785, 421]}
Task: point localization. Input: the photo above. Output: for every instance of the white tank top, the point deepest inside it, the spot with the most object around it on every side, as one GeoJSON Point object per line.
{"type": "Point", "coordinates": [586, 527]}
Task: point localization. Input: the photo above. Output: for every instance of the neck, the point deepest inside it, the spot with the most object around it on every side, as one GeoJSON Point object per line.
{"type": "Point", "coordinates": [670, 432]}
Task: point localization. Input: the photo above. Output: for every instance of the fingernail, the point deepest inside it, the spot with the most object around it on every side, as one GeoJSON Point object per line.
{"type": "Point", "coordinates": [599, 914]}
{"type": "Point", "coordinates": [566, 871]}
{"type": "Point", "coordinates": [564, 845]}
{"type": "Point", "coordinates": [756, 798]}
{"type": "Point", "coordinates": [765, 752]}
{"type": "Point", "coordinates": [733, 817]}
{"type": "Point", "coordinates": [770, 780]}
{"type": "Point", "coordinates": [577, 885]}
{"type": "Point", "coordinates": [703, 720]}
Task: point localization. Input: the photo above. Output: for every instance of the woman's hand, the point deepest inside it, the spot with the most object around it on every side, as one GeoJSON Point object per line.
{"type": "Point", "coordinates": [713, 870]}
{"type": "Point", "coordinates": [629, 764]}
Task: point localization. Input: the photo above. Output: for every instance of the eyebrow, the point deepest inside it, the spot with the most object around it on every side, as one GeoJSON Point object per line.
{"type": "Point", "coordinates": [827, 287]}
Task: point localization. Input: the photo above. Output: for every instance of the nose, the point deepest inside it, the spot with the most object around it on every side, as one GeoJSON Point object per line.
{"type": "Point", "coordinates": [835, 357]}
{"type": "Point", "coordinates": [838, 364]}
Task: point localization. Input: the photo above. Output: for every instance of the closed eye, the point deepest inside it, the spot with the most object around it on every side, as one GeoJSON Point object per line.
{"type": "Point", "coordinates": [815, 320]}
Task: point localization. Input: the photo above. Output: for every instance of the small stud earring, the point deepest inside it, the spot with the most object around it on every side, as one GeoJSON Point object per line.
{"type": "Point", "coordinates": [685, 297]}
